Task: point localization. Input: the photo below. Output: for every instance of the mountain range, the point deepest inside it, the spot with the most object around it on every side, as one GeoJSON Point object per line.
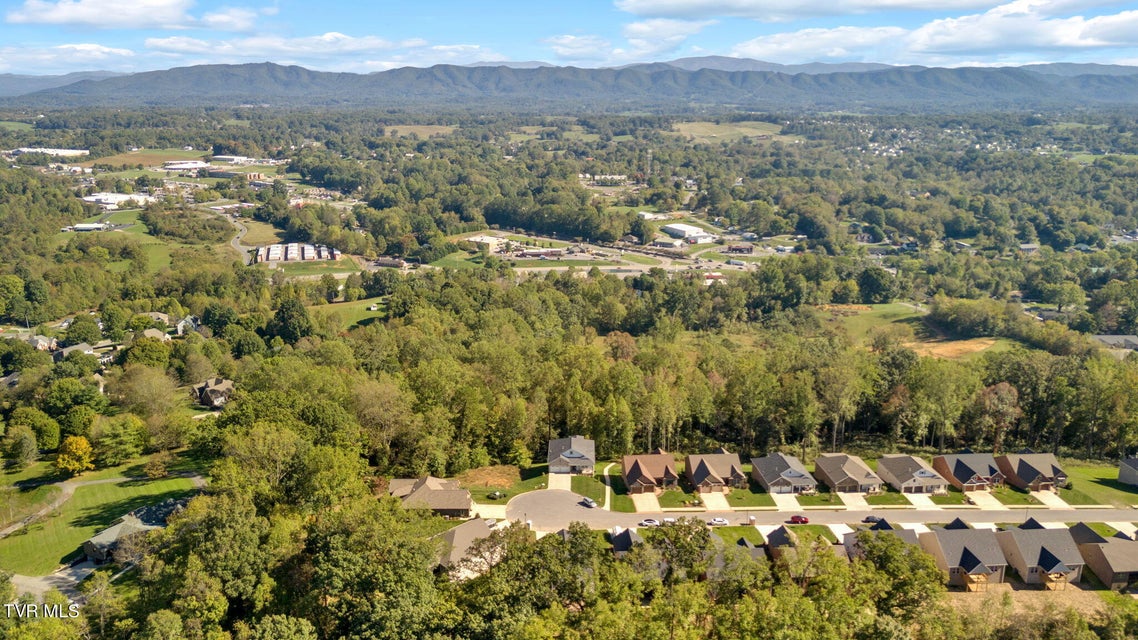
{"type": "Point", "coordinates": [686, 84]}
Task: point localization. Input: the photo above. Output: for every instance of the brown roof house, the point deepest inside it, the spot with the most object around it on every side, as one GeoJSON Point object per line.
{"type": "Point", "coordinates": [715, 472]}
{"type": "Point", "coordinates": [576, 454]}
{"type": "Point", "coordinates": [969, 471]}
{"type": "Point", "coordinates": [910, 474]}
{"type": "Point", "coordinates": [214, 393]}
{"type": "Point", "coordinates": [649, 473]}
{"type": "Point", "coordinates": [1032, 471]}
{"type": "Point", "coordinates": [845, 473]}
{"type": "Point", "coordinates": [444, 497]}
{"type": "Point", "coordinates": [972, 558]}
{"type": "Point", "coordinates": [780, 473]}
{"type": "Point", "coordinates": [1113, 560]}
{"type": "Point", "coordinates": [1047, 557]}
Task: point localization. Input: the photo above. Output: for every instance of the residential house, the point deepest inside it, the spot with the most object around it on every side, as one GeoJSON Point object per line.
{"type": "Point", "coordinates": [969, 471]}
{"type": "Point", "coordinates": [780, 473]}
{"type": "Point", "coordinates": [846, 473]}
{"type": "Point", "coordinates": [1032, 471]}
{"type": "Point", "coordinates": [42, 343]}
{"type": "Point", "coordinates": [444, 497]}
{"type": "Point", "coordinates": [1128, 471]}
{"type": "Point", "coordinates": [623, 540]}
{"type": "Point", "coordinates": [1117, 341]}
{"type": "Point", "coordinates": [160, 318]}
{"type": "Point", "coordinates": [214, 393]}
{"type": "Point", "coordinates": [100, 548]}
{"type": "Point", "coordinates": [575, 454]}
{"type": "Point", "coordinates": [1113, 560]}
{"type": "Point", "coordinates": [9, 381]}
{"type": "Point", "coordinates": [784, 544]}
{"type": "Point", "coordinates": [155, 334]}
{"type": "Point", "coordinates": [715, 472]}
{"type": "Point", "coordinates": [971, 558]}
{"type": "Point", "coordinates": [187, 325]}
{"type": "Point", "coordinates": [82, 347]}
{"type": "Point", "coordinates": [1046, 557]}
{"type": "Point", "coordinates": [910, 474]}
{"type": "Point", "coordinates": [458, 557]}
{"type": "Point", "coordinates": [649, 473]}
{"type": "Point", "coordinates": [880, 528]}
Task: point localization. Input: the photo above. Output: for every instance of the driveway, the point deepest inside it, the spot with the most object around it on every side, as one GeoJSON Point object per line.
{"type": "Point", "coordinates": [554, 509]}
{"type": "Point", "coordinates": [985, 500]}
{"type": "Point", "coordinates": [715, 501]}
{"type": "Point", "coordinates": [561, 481]}
{"type": "Point", "coordinates": [646, 502]}
{"type": "Point", "coordinates": [65, 580]}
{"type": "Point", "coordinates": [785, 501]}
{"type": "Point", "coordinates": [921, 500]}
{"type": "Point", "coordinates": [853, 500]}
{"type": "Point", "coordinates": [1051, 499]}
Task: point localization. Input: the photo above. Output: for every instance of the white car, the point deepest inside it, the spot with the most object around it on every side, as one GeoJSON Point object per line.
{"type": "Point", "coordinates": [718, 522]}
{"type": "Point", "coordinates": [648, 522]}
{"type": "Point", "coordinates": [668, 521]}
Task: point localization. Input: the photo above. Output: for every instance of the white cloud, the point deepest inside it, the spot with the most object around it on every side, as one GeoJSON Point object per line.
{"type": "Point", "coordinates": [330, 44]}
{"type": "Point", "coordinates": [1022, 26]}
{"type": "Point", "coordinates": [572, 47]}
{"type": "Point", "coordinates": [438, 54]}
{"type": "Point", "coordinates": [61, 58]}
{"type": "Point", "coordinates": [818, 44]}
{"type": "Point", "coordinates": [782, 10]}
{"type": "Point", "coordinates": [230, 20]}
{"type": "Point", "coordinates": [660, 35]}
{"type": "Point", "coordinates": [108, 14]}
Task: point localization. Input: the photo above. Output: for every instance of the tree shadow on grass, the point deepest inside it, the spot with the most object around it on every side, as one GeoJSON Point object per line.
{"type": "Point", "coordinates": [103, 515]}
{"type": "Point", "coordinates": [534, 472]}
{"type": "Point", "coordinates": [1113, 483]}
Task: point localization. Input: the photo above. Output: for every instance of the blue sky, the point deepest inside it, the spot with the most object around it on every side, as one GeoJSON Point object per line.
{"type": "Point", "coordinates": [58, 36]}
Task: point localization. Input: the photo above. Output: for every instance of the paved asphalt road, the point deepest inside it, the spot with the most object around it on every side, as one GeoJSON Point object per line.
{"type": "Point", "coordinates": [551, 510]}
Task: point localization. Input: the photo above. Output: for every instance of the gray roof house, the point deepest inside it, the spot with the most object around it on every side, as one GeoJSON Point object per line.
{"type": "Point", "coordinates": [82, 347]}
{"type": "Point", "coordinates": [972, 558]}
{"type": "Point", "coordinates": [969, 471]}
{"type": "Point", "coordinates": [443, 497]}
{"type": "Point", "coordinates": [780, 473]}
{"type": "Point", "coordinates": [624, 540]}
{"type": "Point", "coordinates": [719, 472]}
{"type": "Point", "coordinates": [576, 454]}
{"type": "Point", "coordinates": [1128, 471]}
{"type": "Point", "coordinates": [458, 543]}
{"type": "Point", "coordinates": [100, 548]}
{"type": "Point", "coordinates": [783, 542]}
{"type": "Point", "coordinates": [880, 528]}
{"type": "Point", "coordinates": [1113, 560]}
{"type": "Point", "coordinates": [1046, 557]}
{"type": "Point", "coordinates": [843, 472]}
{"type": "Point", "coordinates": [910, 474]}
{"type": "Point", "coordinates": [1032, 471]}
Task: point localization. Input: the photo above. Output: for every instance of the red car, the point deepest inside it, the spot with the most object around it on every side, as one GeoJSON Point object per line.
{"type": "Point", "coordinates": [799, 520]}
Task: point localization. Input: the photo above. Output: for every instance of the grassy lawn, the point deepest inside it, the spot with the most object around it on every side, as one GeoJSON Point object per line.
{"type": "Point", "coordinates": [1013, 497]}
{"type": "Point", "coordinates": [17, 504]}
{"type": "Point", "coordinates": [41, 471]}
{"type": "Point", "coordinates": [124, 217]}
{"type": "Point", "coordinates": [636, 258]}
{"type": "Point", "coordinates": [724, 257]}
{"type": "Point", "coordinates": [260, 233]}
{"type": "Point", "coordinates": [814, 531]}
{"type": "Point", "coordinates": [678, 499]}
{"type": "Point", "coordinates": [8, 125]}
{"type": "Point", "coordinates": [731, 535]}
{"type": "Point", "coordinates": [888, 497]}
{"type": "Point", "coordinates": [858, 322]}
{"type": "Point", "coordinates": [821, 499]}
{"type": "Point", "coordinates": [559, 262]}
{"type": "Point", "coordinates": [1099, 482]}
{"type": "Point", "coordinates": [43, 546]}
{"type": "Point", "coordinates": [423, 131]}
{"type": "Point", "coordinates": [710, 132]}
{"type": "Point", "coordinates": [535, 242]}
{"type": "Point", "coordinates": [953, 497]}
{"type": "Point", "coordinates": [305, 268]}
{"type": "Point", "coordinates": [350, 314]}
{"type": "Point", "coordinates": [456, 260]}
{"type": "Point", "coordinates": [1074, 496]}
{"type": "Point", "coordinates": [505, 478]}
{"type": "Point", "coordinates": [621, 501]}
{"type": "Point", "coordinates": [148, 157]}
{"type": "Point", "coordinates": [752, 497]}
{"type": "Point", "coordinates": [1101, 528]}
{"type": "Point", "coordinates": [589, 487]}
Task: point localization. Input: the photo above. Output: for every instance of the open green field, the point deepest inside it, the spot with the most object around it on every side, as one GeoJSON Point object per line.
{"type": "Point", "coordinates": [260, 233]}
{"type": "Point", "coordinates": [17, 504]}
{"type": "Point", "coordinates": [731, 535]}
{"type": "Point", "coordinates": [350, 314]}
{"type": "Point", "coordinates": [858, 320]}
{"type": "Point", "coordinates": [724, 257]}
{"type": "Point", "coordinates": [709, 132]}
{"type": "Point", "coordinates": [316, 268]}
{"type": "Point", "coordinates": [1099, 483]}
{"type": "Point", "coordinates": [751, 497]}
{"type": "Point", "coordinates": [421, 130]}
{"type": "Point", "coordinates": [589, 487]}
{"type": "Point", "coordinates": [559, 262]}
{"type": "Point", "coordinates": [148, 157]}
{"type": "Point", "coordinates": [129, 216]}
{"type": "Point", "coordinates": [1013, 497]}
{"type": "Point", "coordinates": [41, 547]}
{"type": "Point", "coordinates": [636, 258]}
{"type": "Point", "coordinates": [503, 478]}
{"type": "Point", "coordinates": [9, 125]}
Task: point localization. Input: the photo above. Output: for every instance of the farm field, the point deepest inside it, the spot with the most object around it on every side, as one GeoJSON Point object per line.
{"type": "Point", "coordinates": [710, 132]}
{"type": "Point", "coordinates": [15, 126]}
{"type": "Point", "coordinates": [260, 233]}
{"type": "Point", "coordinates": [859, 320]}
{"type": "Point", "coordinates": [421, 130]}
{"type": "Point", "coordinates": [148, 157]}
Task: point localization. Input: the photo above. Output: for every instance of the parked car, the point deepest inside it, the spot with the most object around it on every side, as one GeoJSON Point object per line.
{"type": "Point", "coordinates": [668, 521]}
{"type": "Point", "coordinates": [589, 502]}
{"type": "Point", "coordinates": [649, 522]}
{"type": "Point", "coordinates": [718, 522]}
{"type": "Point", "coordinates": [871, 519]}
{"type": "Point", "coordinates": [799, 520]}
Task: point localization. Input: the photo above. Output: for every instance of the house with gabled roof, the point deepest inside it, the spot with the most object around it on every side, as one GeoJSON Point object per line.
{"type": "Point", "coordinates": [623, 540]}
{"type": "Point", "coordinates": [1113, 560]}
{"type": "Point", "coordinates": [780, 473]}
{"type": "Point", "coordinates": [1032, 471]}
{"type": "Point", "coordinates": [457, 557]}
{"type": "Point", "coordinates": [715, 472]}
{"type": "Point", "coordinates": [443, 497]}
{"type": "Point", "coordinates": [576, 454]}
{"type": "Point", "coordinates": [1047, 557]}
{"type": "Point", "coordinates": [214, 393]}
{"type": "Point", "coordinates": [42, 343]}
{"type": "Point", "coordinates": [649, 473]}
{"type": "Point", "coordinates": [845, 473]}
{"type": "Point", "coordinates": [1128, 471]}
{"type": "Point", "coordinates": [969, 471]}
{"type": "Point", "coordinates": [910, 474]}
{"type": "Point", "coordinates": [972, 558]}
{"type": "Point", "coordinates": [783, 544]}
{"type": "Point", "coordinates": [879, 528]}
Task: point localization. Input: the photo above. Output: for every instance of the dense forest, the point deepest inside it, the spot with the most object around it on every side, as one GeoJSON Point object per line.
{"type": "Point", "coordinates": [472, 367]}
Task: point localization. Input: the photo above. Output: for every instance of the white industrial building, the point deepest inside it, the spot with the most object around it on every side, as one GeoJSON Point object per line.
{"type": "Point", "coordinates": [680, 230]}
{"type": "Point", "coordinates": [184, 165]}
{"type": "Point", "coordinates": [111, 201]}
{"type": "Point", "coordinates": [58, 153]}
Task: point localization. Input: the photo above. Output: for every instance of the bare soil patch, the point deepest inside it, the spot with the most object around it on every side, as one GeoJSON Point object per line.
{"type": "Point", "coordinates": [502, 476]}
{"type": "Point", "coordinates": [951, 348]}
{"type": "Point", "coordinates": [1026, 599]}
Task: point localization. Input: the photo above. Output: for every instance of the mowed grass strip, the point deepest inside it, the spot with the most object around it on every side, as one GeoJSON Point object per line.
{"type": "Point", "coordinates": [1100, 483]}
{"type": "Point", "coordinates": [41, 547]}
{"type": "Point", "coordinates": [16, 504]}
